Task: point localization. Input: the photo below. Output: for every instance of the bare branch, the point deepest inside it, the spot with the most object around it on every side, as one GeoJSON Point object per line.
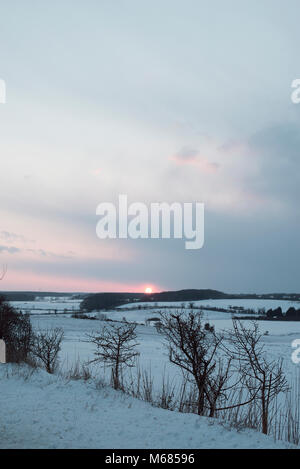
{"type": "Point", "coordinates": [116, 345]}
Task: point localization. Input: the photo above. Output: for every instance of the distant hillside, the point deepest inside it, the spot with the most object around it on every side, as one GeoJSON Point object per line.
{"type": "Point", "coordinates": [100, 301]}
{"type": "Point", "coordinates": [186, 295]}
{"type": "Point", "coordinates": [18, 296]}
{"type": "Point", "coordinates": [33, 295]}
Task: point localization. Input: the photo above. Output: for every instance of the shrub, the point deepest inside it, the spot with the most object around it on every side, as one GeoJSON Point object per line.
{"type": "Point", "coordinates": [16, 331]}
{"type": "Point", "coordinates": [116, 346]}
{"type": "Point", "coordinates": [46, 346]}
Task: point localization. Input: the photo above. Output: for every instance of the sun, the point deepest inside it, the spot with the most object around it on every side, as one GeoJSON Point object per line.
{"type": "Point", "coordinates": [148, 290]}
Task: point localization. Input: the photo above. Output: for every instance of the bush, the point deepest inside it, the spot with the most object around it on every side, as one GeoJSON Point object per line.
{"type": "Point", "coordinates": [46, 346]}
{"type": "Point", "coordinates": [116, 346]}
{"type": "Point", "coordinates": [209, 328]}
{"type": "Point", "coordinates": [16, 331]}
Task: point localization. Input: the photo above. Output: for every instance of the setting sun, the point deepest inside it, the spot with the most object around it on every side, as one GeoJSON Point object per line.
{"type": "Point", "coordinates": [148, 290]}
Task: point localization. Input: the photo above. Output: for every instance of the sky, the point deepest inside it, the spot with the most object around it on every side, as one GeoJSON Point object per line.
{"type": "Point", "coordinates": [173, 101]}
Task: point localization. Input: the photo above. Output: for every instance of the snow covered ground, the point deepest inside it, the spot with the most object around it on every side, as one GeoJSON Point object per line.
{"type": "Point", "coordinates": [248, 303]}
{"type": "Point", "coordinates": [151, 347]}
{"type": "Point", "coordinates": [47, 305]}
{"type": "Point", "coordinates": [134, 311]}
{"type": "Point", "coordinates": [153, 353]}
{"type": "Point", "coordinates": [46, 411]}
{"type": "Point", "coordinates": [79, 414]}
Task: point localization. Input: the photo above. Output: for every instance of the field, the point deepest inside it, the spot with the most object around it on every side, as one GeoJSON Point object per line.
{"type": "Point", "coordinates": [111, 419]}
{"type": "Point", "coordinates": [151, 345]}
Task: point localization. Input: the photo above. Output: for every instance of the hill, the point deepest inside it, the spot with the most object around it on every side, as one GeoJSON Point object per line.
{"type": "Point", "coordinates": [100, 301]}
{"type": "Point", "coordinates": [46, 418]}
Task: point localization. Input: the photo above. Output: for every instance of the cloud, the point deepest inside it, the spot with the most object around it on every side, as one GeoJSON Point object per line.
{"type": "Point", "coordinates": [9, 249]}
{"type": "Point", "coordinates": [187, 153]}
{"type": "Point", "coordinates": [9, 236]}
{"type": "Point", "coordinates": [276, 151]}
{"type": "Point", "coordinates": [238, 176]}
{"type": "Point", "coordinates": [191, 156]}
{"type": "Point", "coordinates": [45, 253]}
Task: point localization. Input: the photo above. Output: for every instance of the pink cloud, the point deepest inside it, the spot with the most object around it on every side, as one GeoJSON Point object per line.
{"type": "Point", "coordinates": [27, 280]}
{"type": "Point", "coordinates": [190, 156]}
{"type": "Point", "coordinates": [199, 162]}
{"type": "Point", "coordinates": [96, 171]}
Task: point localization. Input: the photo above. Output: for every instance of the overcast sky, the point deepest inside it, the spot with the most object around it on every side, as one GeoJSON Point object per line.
{"type": "Point", "coordinates": [163, 101]}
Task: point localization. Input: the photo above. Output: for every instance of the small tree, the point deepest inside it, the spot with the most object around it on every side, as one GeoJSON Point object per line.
{"type": "Point", "coordinates": [193, 349]}
{"type": "Point", "coordinates": [197, 349]}
{"type": "Point", "coordinates": [116, 346]}
{"type": "Point", "coordinates": [264, 379]}
{"type": "Point", "coordinates": [46, 346]}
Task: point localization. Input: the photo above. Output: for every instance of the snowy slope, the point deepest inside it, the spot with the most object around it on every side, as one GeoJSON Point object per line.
{"type": "Point", "coordinates": [46, 411]}
{"type": "Point", "coordinates": [153, 353]}
{"type": "Point", "coordinates": [46, 305]}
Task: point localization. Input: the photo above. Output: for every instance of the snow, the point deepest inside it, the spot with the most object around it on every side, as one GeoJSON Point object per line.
{"type": "Point", "coordinates": [153, 353]}
{"type": "Point", "coordinates": [78, 414]}
{"type": "Point", "coordinates": [46, 411]}
{"type": "Point", "coordinates": [248, 303]}
{"type": "Point", "coordinates": [47, 305]}
{"type": "Point", "coordinates": [132, 312]}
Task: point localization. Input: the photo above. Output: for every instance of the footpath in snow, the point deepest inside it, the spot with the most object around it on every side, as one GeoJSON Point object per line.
{"type": "Point", "coordinates": [45, 411]}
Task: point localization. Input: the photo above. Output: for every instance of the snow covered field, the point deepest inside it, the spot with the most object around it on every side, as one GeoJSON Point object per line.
{"type": "Point", "coordinates": [81, 416]}
{"type": "Point", "coordinates": [46, 411]}
{"type": "Point", "coordinates": [152, 350]}
{"type": "Point", "coordinates": [153, 353]}
{"type": "Point", "coordinates": [47, 305]}
{"type": "Point", "coordinates": [136, 313]}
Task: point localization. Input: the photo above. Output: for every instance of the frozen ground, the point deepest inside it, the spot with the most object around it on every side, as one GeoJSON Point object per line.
{"type": "Point", "coordinates": [79, 416]}
{"type": "Point", "coordinates": [47, 411]}
{"type": "Point", "coordinates": [132, 312]}
{"type": "Point", "coordinates": [47, 305]}
{"type": "Point", "coordinates": [153, 353]}
{"type": "Point", "coordinates": [253, 304]}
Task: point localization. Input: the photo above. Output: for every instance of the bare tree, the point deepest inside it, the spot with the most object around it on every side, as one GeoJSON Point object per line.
{"type": "Point", "coordinates": [116, 346]}
{"type": "Point", "coordinates": [197, 349]}
{"type": "Point", "coordinates": [263, 379]}
{"type": "Point", "coordinates": [218, 386]}
{"type": "Point", "coordinates": [46, 346]}
{"type": "Point", "coordinates": [194, 350]}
